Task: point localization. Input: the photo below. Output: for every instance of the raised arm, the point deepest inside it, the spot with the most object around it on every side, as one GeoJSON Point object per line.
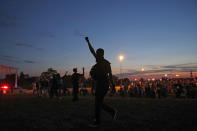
{"type": "Point", "coordinates": [90, 47]}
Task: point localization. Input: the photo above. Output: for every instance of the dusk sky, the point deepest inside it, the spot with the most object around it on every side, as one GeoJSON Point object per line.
{"type": "Point", "coordinates": [158, 35]}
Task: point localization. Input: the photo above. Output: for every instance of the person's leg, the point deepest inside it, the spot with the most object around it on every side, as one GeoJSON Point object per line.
{"type": "Point", "coordinates": [64, 91]}
{"type": "Point", "coordinates": [61, 91]}
{"type": "Point", "coordinates": [101, 91]}
{"type": "Point", "coordinates": [56, 93]}
{"type": "Point", "coordinates": [98, 105]}
{"type": "Point", "coordinates": [40, 91]}
{"type": "Point", "coordinates": [106, 107]}
{"type": "Point", "coordinates": [99, 97]}
{"type": "Point", "coordinates": [75, 94]}
{"type": "Point", "coordinates": [51, 92]}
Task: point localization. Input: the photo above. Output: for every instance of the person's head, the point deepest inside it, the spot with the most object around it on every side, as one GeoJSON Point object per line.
{"type": "Point", "coordinates": [100, 53]}
{"type": "Point", "coordinates": [58, 75]}
{"type": "Point", "coordinates": [75, 70]}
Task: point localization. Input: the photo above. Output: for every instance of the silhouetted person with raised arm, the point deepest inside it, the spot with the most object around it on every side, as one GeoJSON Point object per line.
{"type": "Point", "coordinates": [102, 74]}
{"type": "Point", "coordinates": [75, 81]}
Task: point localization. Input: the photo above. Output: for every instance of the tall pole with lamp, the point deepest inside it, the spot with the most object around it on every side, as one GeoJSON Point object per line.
{"type": "Point", "coordinates": [121, 58]}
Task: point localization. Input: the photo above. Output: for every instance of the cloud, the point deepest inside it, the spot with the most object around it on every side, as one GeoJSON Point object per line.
{"type": "Point", "coordinates": [182, 67]}
{"type": "Point", "coordinates": [7, 56]}
{"type": "Point", "coordinates": [29, 61]}
{"type": "Point", "coordinates": [11, 21]}
{"type": "Point", "coordinates": [28, 46]}
{"type": "Point", "coordinates": [13, 59]}
{"type": "Point", "coordinates": [153, 69]}
{"type": "Point", "coordinates": [9, 60]}
{"type": "Point", "coordinates": [24, 45]}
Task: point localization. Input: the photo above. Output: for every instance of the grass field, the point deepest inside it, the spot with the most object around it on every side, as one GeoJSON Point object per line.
{"type": "Point", "coordinates": [27, 112]}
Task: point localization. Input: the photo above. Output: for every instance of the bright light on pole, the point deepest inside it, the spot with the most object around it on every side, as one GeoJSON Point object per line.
{"type": "Point", "coordinates": [121, 58]}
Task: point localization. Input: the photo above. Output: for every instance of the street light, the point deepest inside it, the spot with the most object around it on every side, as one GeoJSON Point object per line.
{"type": "Point", "coordinates": [121, 58]}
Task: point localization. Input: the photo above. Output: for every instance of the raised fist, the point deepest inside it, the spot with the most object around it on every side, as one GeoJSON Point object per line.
{"type": "Point", "coordinates": [87, 39]}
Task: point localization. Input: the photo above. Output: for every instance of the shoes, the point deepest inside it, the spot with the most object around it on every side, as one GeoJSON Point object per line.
{"type": "Point", "coordinates": [115, 116]}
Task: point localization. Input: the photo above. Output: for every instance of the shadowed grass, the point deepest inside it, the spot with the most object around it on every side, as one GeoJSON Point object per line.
{"type": "Point", "coordinates": [141, 114]}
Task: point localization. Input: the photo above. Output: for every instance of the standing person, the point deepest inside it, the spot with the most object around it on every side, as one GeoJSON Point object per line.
{"type": "Point", "coordinates": [102, 74]}
{"type": "Point", "coordinates": [75, 81]}
{"type": "Point", "coordinates": [60, 85]}
{"type": "Point", "coordinates": [34, 87]}
{"type": "Point", "coordinates": [126, 87]}
{"type": "Point", "coordinates": [37, 88]}
{"type": "Point", "coordinates": [54, 87]}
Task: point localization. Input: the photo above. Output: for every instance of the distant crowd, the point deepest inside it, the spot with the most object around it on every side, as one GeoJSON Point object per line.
{"type": "Point", "coordinates": [162, 88]}
{"type": "Point", "coordinates": [180, 88]}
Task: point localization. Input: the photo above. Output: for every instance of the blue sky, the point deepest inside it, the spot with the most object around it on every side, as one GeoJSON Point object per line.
{"type": "Point", "coordinates": [38, 34]}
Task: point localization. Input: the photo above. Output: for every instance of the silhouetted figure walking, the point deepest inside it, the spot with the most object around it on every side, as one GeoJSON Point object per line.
{"type": "Point", "coordinates": [102, 74]}
{"type": "Point", "coordinates": [75, 81]}
{"type": "Point", "coordinates": [37, 88]}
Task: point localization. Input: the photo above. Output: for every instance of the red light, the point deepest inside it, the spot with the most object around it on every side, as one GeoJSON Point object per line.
{"type": "Point", "coordinates": [4, 87]}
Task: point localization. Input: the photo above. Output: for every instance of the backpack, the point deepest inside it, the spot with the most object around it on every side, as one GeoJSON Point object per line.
{"type": "Point", "coordinates": [99, 71]}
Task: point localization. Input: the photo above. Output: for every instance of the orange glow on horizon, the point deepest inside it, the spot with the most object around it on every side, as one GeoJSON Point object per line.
{"type": "Point", "coordinates": [158, 75]}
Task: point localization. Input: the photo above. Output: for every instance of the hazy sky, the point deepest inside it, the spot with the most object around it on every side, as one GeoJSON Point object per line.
{"type": "Point", "coordinates": [159, 35]}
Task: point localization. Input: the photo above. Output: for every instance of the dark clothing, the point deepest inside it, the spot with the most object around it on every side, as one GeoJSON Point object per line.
{"type": "Point", "coordinates": [54, 83]}
{"type": "Point", "coordinates": [75, 82]}
{"type": "Point", "coordinates": [101, 70]}
{"type": "Point", "coordinates": [75, 79]}
{"type": "Point", "coordinates": [99, 97]}
{"type": "Point", "coordinates": [102, 86]}
{"type": "Point", "coordinates": [54, 88]}
{"type": "Point", "coordinates": [53, 92]}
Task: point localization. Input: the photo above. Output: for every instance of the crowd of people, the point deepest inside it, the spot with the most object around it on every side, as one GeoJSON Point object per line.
{"type": "Point", "coordinates": [51, 88]}
{"type": "Point", "coordinates": [56, 86]}
{"type": "Point", "coordinates": [161, 88]}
